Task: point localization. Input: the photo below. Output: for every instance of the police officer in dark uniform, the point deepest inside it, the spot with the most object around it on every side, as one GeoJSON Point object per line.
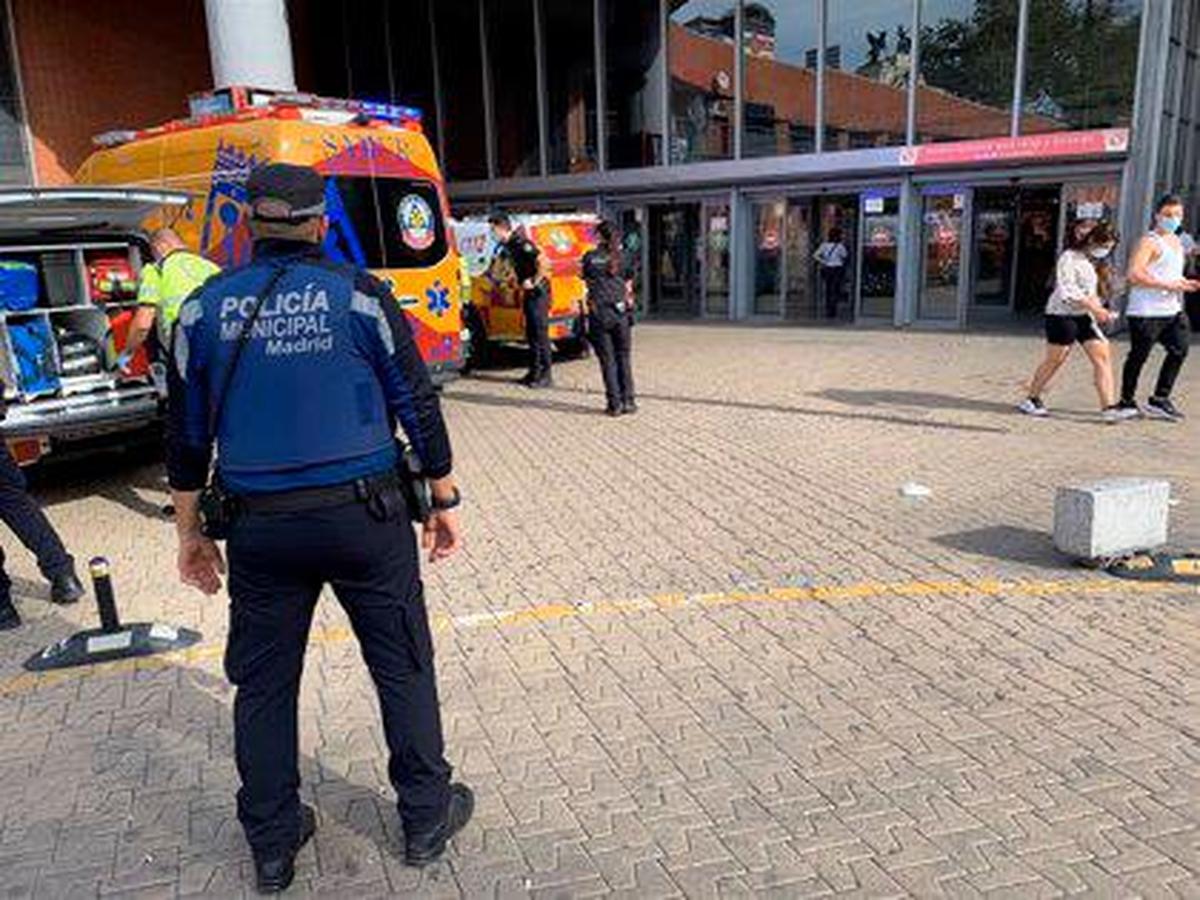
{"type": "Point", "coordinates": [610, 316]}
{"type": "Point", "coordinates": [532, 273]}
{"type": "Point", "coordinates": [22, 515]}
{"type": "Point", "coordinates": [297, 368]}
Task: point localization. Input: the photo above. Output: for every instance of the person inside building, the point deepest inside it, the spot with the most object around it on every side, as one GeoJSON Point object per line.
{"type": "Point", "coordinates": [1076, 314]}
{"type": "Point", "coordinates": [26, 520]}
{"type": "Point", "coordinates": [831, 259]}
{"type": "Point", "coordinates": [532, 271]}
{"type": "Point", "coordinates": [165, 284]}
{"type": "Point", "coordinates": [1156, 312]}
{"type": "Point", "coordinates": [610, 316]}
{"type": "Point", "coordinates": [297, 369]}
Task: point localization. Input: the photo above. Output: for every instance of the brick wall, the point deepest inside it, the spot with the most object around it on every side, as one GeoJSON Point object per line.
{"type": "Point", "coordinates": [91, 67]}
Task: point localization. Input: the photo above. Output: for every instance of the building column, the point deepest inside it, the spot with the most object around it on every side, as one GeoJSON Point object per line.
{"type": "Point", "coordinates": [250, 44]}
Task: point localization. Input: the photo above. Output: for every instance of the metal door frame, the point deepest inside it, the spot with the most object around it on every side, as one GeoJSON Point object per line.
{"type": "Point", "coordinates": [886, 194]}
{"type": "Point", "coordinates": [966, 239]}
{"type": "Point", "coordinates": [616, 206]}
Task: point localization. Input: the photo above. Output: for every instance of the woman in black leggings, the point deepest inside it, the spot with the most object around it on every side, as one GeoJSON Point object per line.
{"type": "Point", "coordinates": [610, 317]}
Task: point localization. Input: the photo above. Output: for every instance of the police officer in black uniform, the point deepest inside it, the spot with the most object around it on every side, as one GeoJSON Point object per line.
{"type": "Point", "coordinates": [22, 515]}
{"type": "Point", "coordinates": [297, 368]}
{"type": "Point", "coordinates": [530, 267]}
{"type": "Point", "coordinates": [610, 316]}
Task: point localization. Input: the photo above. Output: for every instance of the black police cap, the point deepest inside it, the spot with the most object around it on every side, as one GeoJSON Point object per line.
{"type": "Point", "coordinates": [282, 192]}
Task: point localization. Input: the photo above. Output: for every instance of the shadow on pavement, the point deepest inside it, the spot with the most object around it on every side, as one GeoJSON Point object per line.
{"type": "Point", "coordinates": [931, 400]}
{"type": "Point", "coordinates": [533, 401]}
{"type": "Point", "coordinates": [115, 475]}
{"type": "Point", "coordinates": [799, 411]}
{"type": "Point", "coordinates": [1009, 543]}
{"type": "Point", "coordinates": [161, 774]}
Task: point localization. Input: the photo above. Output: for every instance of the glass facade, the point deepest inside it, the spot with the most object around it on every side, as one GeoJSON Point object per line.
{"type": "Point", "coordinates": [869, 55]}
{"type": "Point", "coordinates": [570, 85]}
{"type": "Point", "coordinates": [702, 55]}
{"type": "Point", "coordinates": [460, 67]}
{"type": "Point", "coordinates": [634, 60]}
{"type": "Point", "coordinates": [663, 85]}
{"type": "Point", "coordinates": [513, 61]}
{"type": "Point", "coordinates": [780, 47]}
{"type": "Point", "coordinates": [14, 167]}
{"type": "Point", "coordinates": [968, 59]}
{"type": "Point", "coordinates": [1081, 64]}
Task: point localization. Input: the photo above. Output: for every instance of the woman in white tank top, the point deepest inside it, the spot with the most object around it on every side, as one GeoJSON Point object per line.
{"type": "Point", "coordinates": [1155, 311]}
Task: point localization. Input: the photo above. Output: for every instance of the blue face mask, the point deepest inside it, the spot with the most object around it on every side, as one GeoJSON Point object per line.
{"type": "Point", "coordinates": [1170, 224]}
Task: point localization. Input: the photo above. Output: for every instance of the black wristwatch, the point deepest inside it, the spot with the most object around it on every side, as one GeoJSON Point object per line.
{"type": "Point", "coordinates": [443, 505]}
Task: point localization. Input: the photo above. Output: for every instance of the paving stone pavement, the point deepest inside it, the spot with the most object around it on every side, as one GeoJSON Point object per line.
{"type": "Point", "coordinates": [705, 651]}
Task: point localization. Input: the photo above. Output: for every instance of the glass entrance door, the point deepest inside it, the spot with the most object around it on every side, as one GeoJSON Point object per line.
{"type": "Point", "coordinates": [800, 299]}
{"type": "Point", "coordinates": [942, 220]}
{"type": "Point", "coordinates": [993, 247]}
{"type": "Point", "coordinates": [879, 253]}
{"type": "Point", "coordinates": [716, 225]}
{"type": "Point", "coordinates": [674, 277]}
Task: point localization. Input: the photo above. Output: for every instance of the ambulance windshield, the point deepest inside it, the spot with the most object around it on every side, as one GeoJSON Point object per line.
{"type": "Point", "coordinates": [384, 223]}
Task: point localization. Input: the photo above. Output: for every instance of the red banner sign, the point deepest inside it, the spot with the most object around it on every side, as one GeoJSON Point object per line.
{"type": "Point", "coordinates": [1052, 145]}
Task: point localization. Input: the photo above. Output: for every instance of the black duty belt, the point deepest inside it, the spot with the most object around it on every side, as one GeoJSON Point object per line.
{"type": "Point", "coordinates": [307, 499]}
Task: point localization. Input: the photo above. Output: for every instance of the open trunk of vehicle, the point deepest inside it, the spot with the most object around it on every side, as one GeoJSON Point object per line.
{"type": "Point", "coordinates": [69, 262]}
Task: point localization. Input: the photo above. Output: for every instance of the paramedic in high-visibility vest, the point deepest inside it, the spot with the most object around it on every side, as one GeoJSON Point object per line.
{"type": "Point", "coordinates": [174, 274]}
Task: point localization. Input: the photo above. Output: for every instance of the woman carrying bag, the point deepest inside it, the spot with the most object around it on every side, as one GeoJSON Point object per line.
{"type": "Point", "coordinates": [610, 317]}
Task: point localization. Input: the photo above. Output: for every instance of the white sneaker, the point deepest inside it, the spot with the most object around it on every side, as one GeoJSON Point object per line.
{"type": "Point", "coordinates": [1033, 406]}
{"type": "Point", "coordinates": [1112, 415]}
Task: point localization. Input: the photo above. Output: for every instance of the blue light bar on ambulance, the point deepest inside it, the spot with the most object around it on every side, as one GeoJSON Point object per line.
{"type": "Point", "coordinates": [388, 112]}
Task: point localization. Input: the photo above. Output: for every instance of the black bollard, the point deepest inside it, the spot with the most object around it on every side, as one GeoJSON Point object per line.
{"type": "Point", "coordinates": [112, 640]}
{"type": "Point", "coordinates": [106, 601]}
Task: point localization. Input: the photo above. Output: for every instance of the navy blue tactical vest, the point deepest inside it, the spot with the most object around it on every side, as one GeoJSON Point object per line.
{"type": "Point", "coordinates": [305, 406]}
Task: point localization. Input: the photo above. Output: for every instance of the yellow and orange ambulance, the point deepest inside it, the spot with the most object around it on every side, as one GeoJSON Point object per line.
{"type": "Point", "coordinates": [492, 308]}
{"type": "Point", "coordinates": [385, 196]}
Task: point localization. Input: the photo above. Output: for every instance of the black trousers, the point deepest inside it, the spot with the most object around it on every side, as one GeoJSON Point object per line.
{"type": "Point", "coordinates": [834, 278]}
{"type": "Point", "coordinates": [1144, 332]}
{"type": "Point", "coordinates": [277, 567]}
{"type": "Point", "coordinates": [22, 515]}
{"type": "Point", "coordinates": [536, 306]}
{"type": "Point", "coordinates": [613, 343]}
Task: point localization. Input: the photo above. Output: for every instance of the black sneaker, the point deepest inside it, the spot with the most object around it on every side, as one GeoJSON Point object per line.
{"type": "Point", "coordinates": [1163, 408]}
{"type": "Point", "coordinates": [274, 876]}
{"type": "Point", "coordinates": [422, 849]}
{"type": "Point", "coordinates": [613, 411]}
{"type": "Point", "coordinates": [629, 407]}
{"type": "Point", "coordinates": [544, 382]}
{"type": "Point", "coordinates": [66, 588]}
{"type": "Point", "coordinates": [9, 617]}
{"type": "Point", "coordinates": [1127, 409]}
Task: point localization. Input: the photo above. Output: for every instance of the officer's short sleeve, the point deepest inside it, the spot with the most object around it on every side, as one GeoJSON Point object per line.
{"type": "Point", "coordinates": [150, 287]}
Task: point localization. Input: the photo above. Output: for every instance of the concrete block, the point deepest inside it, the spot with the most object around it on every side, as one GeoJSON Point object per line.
{"type": "Point", "coordinates": [1111, 517]}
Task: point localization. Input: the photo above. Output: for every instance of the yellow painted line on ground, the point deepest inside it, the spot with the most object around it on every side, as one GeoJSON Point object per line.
{"type": "Point", "coordinates": [552, 612]}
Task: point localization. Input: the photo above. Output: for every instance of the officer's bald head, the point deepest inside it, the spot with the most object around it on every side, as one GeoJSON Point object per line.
{"type": "Point", "coordinates": [165, 241]}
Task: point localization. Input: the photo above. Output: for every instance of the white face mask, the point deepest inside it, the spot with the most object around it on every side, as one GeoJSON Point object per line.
{"type": "Point", "coordinates": [1100, 252]}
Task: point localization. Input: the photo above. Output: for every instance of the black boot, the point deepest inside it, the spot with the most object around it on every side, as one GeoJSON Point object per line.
{"type": "Point", "coordinates": [66, 588]}
{"type": "Point", "coordinates": [275, 875]}
{"type": "Point", "coordinates": [422, 849]}
{"type": "Point", "coordinates": [9, 617]}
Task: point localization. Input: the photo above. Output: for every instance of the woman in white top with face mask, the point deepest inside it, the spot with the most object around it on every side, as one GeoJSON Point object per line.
{"type": "Point", "coordinates": [1155, 311]}
{"type": "Point", "coordinates": [1074, 314]}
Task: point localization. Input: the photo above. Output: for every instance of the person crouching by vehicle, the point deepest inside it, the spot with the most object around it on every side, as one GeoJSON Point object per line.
{"type": "Point", "coordinates": [610, 317]}
{"type": "Point", "coordinates": [1075, 313]}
